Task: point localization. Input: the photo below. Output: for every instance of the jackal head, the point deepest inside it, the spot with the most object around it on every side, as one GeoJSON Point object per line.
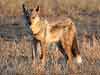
{"type": "Point", "coordinates": [35, 15]}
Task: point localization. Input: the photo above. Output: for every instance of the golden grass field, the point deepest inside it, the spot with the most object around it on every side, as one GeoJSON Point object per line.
{"type": "Point", "coordinates": [16, 45]}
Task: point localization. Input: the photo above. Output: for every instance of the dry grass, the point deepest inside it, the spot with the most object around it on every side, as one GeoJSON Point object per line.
{"type": "Point", "coordinates": [16, 46]}
{"type": "Point", "coordinates": [16, 53]}
{"type": "Point", "coordinates": [50, 7]}
{"type": "Point", "coordinates": [16, 58]}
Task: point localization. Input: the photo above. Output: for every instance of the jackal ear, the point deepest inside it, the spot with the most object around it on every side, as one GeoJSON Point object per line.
{"type": "Point", "coordinates": [23, 8]}
{"type": "Point", "coordinates": [37, 8]}
{"type": "Point", "coordinates": [23, 5]}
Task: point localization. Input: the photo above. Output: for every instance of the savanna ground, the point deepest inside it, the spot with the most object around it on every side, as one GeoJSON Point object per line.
{"type": "Point", "coordinates": [16, 46]}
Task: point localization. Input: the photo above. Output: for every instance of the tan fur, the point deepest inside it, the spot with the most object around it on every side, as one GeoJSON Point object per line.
{"type": "Point", "coordinates": [50, 33]}
{"type": "Point", "coordinates": [45, 33]}
{"type": "Point", "coordinates": [69, 42]}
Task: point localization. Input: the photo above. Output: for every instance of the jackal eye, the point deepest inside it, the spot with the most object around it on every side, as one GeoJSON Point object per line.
{"type": "Point", "coordinates": [33, 17]}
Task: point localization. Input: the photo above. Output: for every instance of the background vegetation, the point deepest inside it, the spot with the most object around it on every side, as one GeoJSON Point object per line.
{"type": "Point", "coordinates": [16, 45]}
{"type": "Point", "coordinates": [50, 7]}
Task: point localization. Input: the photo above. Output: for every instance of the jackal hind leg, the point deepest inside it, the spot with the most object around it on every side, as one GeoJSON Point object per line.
{"type": "Point", "coordinates": [69, 53]}
{"type": "Point", "coordinates": [62, 50]}
{"type": "Point", "coordinates": [43, 53]}
{"type": "Point", "coordinates": [67, 49]}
